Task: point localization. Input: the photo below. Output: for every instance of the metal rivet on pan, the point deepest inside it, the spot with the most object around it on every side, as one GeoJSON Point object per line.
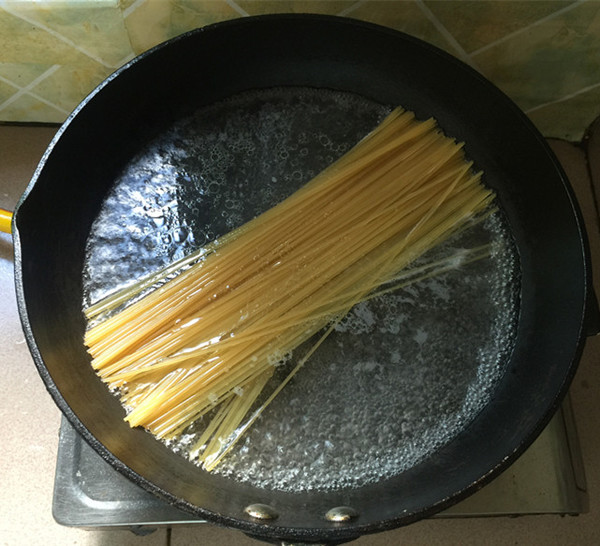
{"type": "Point", "coordinates": [341, 514]}
{"type": "Point", "coordinates": [261, 511]}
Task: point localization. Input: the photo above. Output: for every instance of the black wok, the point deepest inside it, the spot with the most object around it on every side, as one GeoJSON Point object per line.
{"type": "Point", "coordinates": [146, 96]}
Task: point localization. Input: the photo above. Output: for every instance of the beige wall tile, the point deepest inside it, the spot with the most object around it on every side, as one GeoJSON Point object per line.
{"type": "Point", "coordinates": [261, 7]}
{"type": "Point", "coordinates": [156, 21]}
{"type": "Point", "coordinates": [125, 4]}
{"type": "Point", "coordinates": [475, 24]}
{"type": "Point", "coordinates": [22, 74]}
{"type": "Point", "coordinates": [28, 108]}
{"type": "Point", "coordinates": [568, 119]}
{"type": "Point", "coordinates": [22, 42]}
{"type": "Point", "coordinates": [148, 24]}
{"type": "Point", "coordinates": [6, 91]}
{"type": "Point", "coordinates": [191, 14]}
{"type": "Point", "coordinates": [405, 16]}
{"type": "Point", "coordinates": [68, 85]}
{"type": "Point", "coordinates": [97, 31]}
{"type": "Point", "coordinates": [543, 63]}
{"type": "Point", "coordinates": [550, 60]}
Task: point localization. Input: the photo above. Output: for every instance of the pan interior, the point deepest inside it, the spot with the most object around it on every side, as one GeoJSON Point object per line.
{"type": "Point", "coordinates": [401, 375]}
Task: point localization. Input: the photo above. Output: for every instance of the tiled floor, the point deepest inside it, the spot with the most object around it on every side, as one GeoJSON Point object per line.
{"type": "Point", "coordinates": [31, 420]}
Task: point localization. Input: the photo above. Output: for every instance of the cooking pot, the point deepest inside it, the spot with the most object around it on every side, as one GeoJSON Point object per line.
{"type": "Point", "coordinates": [145, 97]}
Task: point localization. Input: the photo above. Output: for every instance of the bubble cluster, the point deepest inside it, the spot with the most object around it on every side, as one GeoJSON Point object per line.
{"type": "Point", "coordinates": [400, 375]}
{"type": "Point", "coordinates": [213, 171]}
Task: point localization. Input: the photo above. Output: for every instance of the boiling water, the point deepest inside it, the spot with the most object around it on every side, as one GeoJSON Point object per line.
{"type": "Point", "coordinates": [400, 376]}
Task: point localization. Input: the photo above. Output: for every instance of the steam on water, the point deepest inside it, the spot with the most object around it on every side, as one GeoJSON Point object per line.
{"type": "Point", "coordinates": [400, 376]}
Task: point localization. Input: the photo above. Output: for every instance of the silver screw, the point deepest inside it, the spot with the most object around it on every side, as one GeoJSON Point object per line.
{"type": "Point", "coordinates": [341, 514]}
{"type": "Point", "coordinates": [261, 511]}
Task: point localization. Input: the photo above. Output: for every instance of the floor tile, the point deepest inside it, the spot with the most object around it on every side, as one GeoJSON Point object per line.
{"type": "Point", "coordinates": [207, 534]}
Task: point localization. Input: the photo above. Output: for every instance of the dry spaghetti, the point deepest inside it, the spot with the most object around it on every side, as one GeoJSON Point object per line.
{"type": "Point", "coordinates": [219, 321]}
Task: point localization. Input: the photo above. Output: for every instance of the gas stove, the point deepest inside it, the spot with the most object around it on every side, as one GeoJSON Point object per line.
{"type": "Point", "coordinates": [547, 479]}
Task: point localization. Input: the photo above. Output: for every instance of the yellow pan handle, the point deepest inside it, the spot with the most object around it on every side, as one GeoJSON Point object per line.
{"type": "Point", "coordinates": [5, 218]}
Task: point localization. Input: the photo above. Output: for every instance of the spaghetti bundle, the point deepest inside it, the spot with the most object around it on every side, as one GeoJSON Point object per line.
{"type": "Point", "coordinates": [213, 330]}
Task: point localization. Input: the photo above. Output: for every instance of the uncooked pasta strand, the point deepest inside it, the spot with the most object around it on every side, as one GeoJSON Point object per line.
{"type": "Point", "coordinates": [220, 317]}
{"type": "Point", "coordinates": [160, 342]}
{"type": "Point", "coordinates": [228, 237]}
{"type": "Point", "coordinates": [132, 326]}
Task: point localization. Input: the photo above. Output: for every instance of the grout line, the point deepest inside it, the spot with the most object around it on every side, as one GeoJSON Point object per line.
{"type": "Point", "coordinates": [55, 34]}
{"type": "Point", "coordinates": [27, 90]}
{"type": "Point", "coordinates": [126, 59]}
{"type": "Point", "coordinates": [127, 12]}
{"type": "Point", "coordinates": [549, 17]}
{"type": "Point", "coordinates": [48, 103]}
{"type": "Point", "coordinates": [563, 98]}
{"type": "Point", "coordinates": [352, 8]}
{"type": "Point", "coordinates": [446, 34]}
{"type": "Point", "coordinates": [40, 78]}
{"type": "Point", "coordinates": [3, 79]}
{"type": "Point", "coordinates": [233, 4]}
